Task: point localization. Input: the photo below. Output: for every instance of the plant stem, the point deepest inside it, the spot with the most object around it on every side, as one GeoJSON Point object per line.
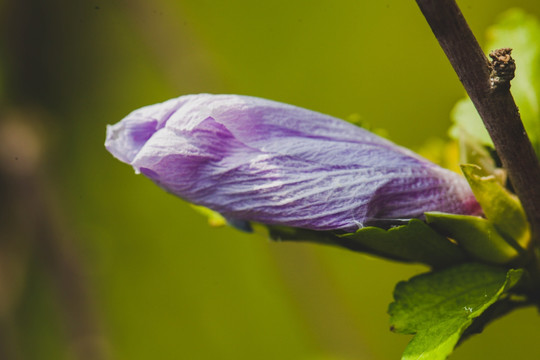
{"type": "Point", "coordinates": [496, 107]}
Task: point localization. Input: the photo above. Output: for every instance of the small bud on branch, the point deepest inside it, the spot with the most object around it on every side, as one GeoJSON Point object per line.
{"type": "Point", "coordinates": [503, 68]}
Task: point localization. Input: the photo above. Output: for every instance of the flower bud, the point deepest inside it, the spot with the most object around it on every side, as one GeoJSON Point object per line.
{"type": "Point", "coordinates": [258, 160]}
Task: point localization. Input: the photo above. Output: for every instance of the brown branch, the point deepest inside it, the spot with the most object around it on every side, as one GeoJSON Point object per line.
{"type": "Point", "coordinates": [495, 104]}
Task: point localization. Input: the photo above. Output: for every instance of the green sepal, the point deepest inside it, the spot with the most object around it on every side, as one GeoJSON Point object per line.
{"type": "Point", "coordinates": [439, 306]}
{"type": "Point", "coordinates": [471, 152]}
{"type": "Point", "coordinates": [500, 207]}
{"type": "Point", "coordinates": [476, 235]}
{"type": "Point", "coordinates": [414, 242]}
{"type": "Point", "coordinates": [214, 218]}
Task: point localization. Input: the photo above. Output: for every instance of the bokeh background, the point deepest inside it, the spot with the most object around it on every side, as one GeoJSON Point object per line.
{"type": "Point", "coordinates": [97, 263]}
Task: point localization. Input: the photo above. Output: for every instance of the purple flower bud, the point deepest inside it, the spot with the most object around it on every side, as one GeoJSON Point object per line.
{"type": "Point", "coordinates": [259, 160]}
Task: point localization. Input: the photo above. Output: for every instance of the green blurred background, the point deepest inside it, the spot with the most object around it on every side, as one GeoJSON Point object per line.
{"type": "Point", "coordinates": [97, 263]}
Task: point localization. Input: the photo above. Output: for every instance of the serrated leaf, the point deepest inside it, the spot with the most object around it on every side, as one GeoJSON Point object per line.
{"type": "Point", "coordinates": [478, 236]}
{"type": "Point", "coordinates": [414, 242]}
{"type": "Point", "coordinates": [439, 306]}
{"type": "Point", "coordinates": [500, 207]}
{"type": "Point", "coordinates": [521, 32]}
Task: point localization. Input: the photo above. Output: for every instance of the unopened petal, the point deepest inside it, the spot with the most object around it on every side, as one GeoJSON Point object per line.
{"type": "Point", "coordinates": [259, 160]}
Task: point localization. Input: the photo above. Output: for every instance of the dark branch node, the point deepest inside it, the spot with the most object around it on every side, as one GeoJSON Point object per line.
{"type": "Point", "coordinates": [502, 67]}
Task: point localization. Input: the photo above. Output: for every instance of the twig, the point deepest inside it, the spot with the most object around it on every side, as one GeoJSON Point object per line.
{"type": "Point", "coordinates": [494, 103]}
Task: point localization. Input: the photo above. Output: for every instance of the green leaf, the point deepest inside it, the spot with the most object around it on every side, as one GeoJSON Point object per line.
{"type": "Point", "coordinates": [500, 207]}
{"type": "Point", "coordinates": [471, 152]}
{"type": "Point", "coordinates": [468, 124]}
{"type": "Point", "coordinates": [478, 236]}
{"type": "Point", "coordinates": [414, 242]}
{"type": "Point", "coordinates": [439, 306]}
{"type": "Point", "coordinates": [214, 218]}
{"type": "Point", "coordinates": [521, 32]}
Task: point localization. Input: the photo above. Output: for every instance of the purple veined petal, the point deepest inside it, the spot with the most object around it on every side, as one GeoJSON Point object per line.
{"type": "Point", "coordinates": [259, 160]}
